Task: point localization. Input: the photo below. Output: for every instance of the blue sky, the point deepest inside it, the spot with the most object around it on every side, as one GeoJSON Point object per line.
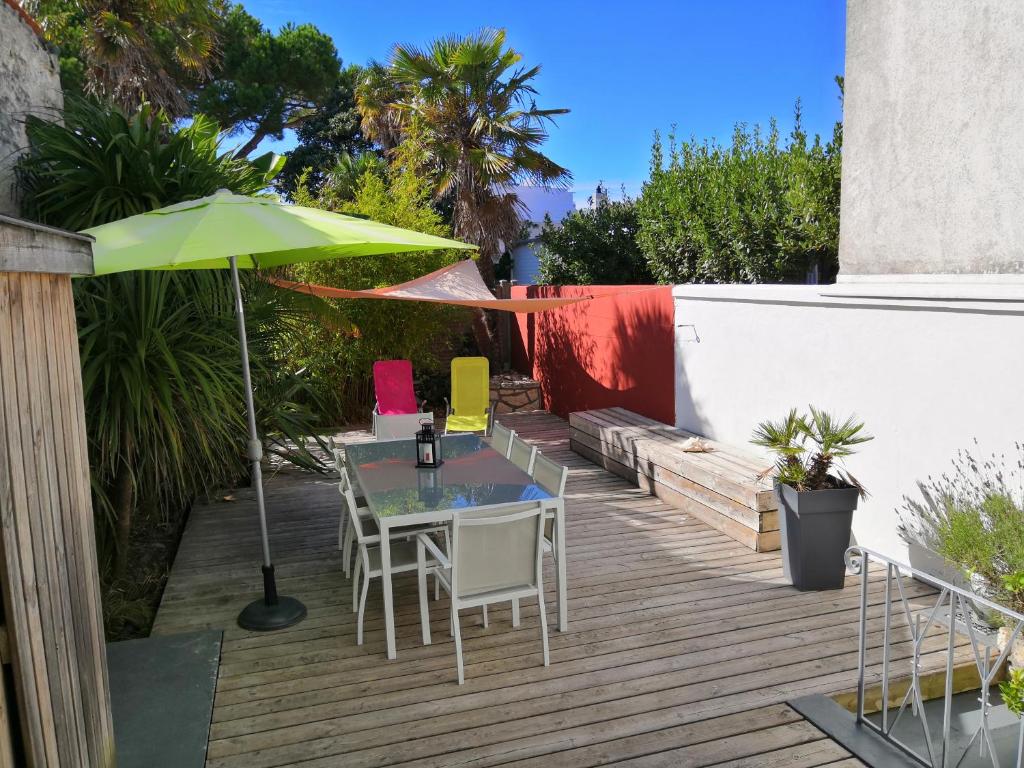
{"type": "Point", "coordinates": [623, 69]}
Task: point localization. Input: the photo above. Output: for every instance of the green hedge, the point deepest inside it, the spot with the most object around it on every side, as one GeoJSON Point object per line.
{"type": "Point", "coordinates": [756, 211]}
{"type": "Point", "coordinates": [338, 357]}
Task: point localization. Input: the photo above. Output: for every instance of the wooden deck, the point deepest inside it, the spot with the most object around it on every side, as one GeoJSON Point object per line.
{"type": "Point", "coordinates": [683, 645]}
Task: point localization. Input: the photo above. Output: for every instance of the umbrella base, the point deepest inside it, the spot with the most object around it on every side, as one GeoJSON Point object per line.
{"type": "Point", "coordinates": [272, 612]}
{"type": "Point", "coordinates": [259, 616]}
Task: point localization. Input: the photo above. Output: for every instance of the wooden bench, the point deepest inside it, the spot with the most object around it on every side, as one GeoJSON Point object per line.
{"type": "Point", "coordinates": [721, 487]}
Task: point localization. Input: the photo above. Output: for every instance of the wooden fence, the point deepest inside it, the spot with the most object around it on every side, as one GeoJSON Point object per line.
{"type": "Point", "coordinates": [52, 646]}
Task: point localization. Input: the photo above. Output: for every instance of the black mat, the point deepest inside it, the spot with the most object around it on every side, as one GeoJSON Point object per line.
{"type": "Point", "coordinates": [965, 719]}
{"type": "Point", "coordinates": [841, 726]}
{"type": "Point", "coordinates": [161, 691]}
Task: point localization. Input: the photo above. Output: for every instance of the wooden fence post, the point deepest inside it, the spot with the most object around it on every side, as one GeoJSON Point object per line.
{"type": "Point", "coordinates": [49, 583]}
{"type": "Point", "coordinates": [504, 291]}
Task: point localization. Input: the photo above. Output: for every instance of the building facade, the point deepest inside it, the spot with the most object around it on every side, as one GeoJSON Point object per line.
{"type": "Point", "coordinates": [539, 202]}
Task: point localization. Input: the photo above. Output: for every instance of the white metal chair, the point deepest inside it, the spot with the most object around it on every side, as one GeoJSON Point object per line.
{"type": "Point", "coordinates": [522, 454]}
{"type": "Point", "coordinates": [397, 413]}
{"type": "Point", "coordinates": [399, 427]}
{"type": "Point", "coordinates": [495, 557]}
{"type": "Point", "coordinates": [551, 477]}
{"type": "Point", "coordinates": [501, 439]}
{"type": "Point", "coordinates": [341, 462]}
{"type": "Point", "coordinates": [347, 533]}
{"type": "Point", "coordinates": [368, 562]}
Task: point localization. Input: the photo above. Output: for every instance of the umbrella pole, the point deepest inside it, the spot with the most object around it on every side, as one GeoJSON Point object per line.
{"type": "Point", "coordinates": [272, 611]}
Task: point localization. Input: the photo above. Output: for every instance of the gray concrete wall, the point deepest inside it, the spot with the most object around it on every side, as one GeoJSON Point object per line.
{"type": "Point", "coordinates": [933, 155]}
{"type": "Point", "coordinates": [29, 84]}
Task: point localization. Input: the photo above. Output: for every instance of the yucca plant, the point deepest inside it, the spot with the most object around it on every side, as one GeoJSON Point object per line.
{"type": "Point", "coordinates": [160, 358]}
{"type": "Point", "coordinates": [810, 448]}
{"type": "Point", "coordinates": [101, 165]}
{"type": "Point", "coordinates": [161, 385]}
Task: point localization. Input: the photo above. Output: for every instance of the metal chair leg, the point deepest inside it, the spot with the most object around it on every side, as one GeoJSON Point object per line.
{"type": "Point", "coordinates": [458, 642]}
{"type": "Point", "coordinates": [362, 610]}
{"type": "Point", "coordinates": [421, 574]}
{"type": "Point", "coordinates": [355, 584]}
{"type": "Point", "coordinates": [543, 626]}
{"type": "Point", "coordinates": [346, 551]}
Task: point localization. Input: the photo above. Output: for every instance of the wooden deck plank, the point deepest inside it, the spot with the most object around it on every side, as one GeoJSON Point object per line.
{"type": "Point", "coordinates": [682, 646]}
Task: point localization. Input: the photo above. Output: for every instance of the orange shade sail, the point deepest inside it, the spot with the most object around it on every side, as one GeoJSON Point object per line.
{"type": "Point", "coordinates": [458, 283]}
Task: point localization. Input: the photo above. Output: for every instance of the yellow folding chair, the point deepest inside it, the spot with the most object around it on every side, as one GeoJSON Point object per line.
{"type": "Point", "coordinates": [470, 407]}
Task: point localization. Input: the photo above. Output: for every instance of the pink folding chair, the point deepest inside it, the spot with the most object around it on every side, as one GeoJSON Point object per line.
{"type": "Point", "coordinates": [392, 382]}
{"type": "Point", "coordinates": [397, 413]}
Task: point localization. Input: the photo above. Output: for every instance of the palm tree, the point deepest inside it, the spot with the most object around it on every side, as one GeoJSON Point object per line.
{"type": "Point", "coordinates": [137, 51]}
{"type": "Point", "coordinates": [472, 107]}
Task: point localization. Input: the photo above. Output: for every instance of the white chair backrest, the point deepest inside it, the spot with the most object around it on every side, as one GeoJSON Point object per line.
{"type": "Point", "coordinates": [497, 549]}
{"type": "Point", "coordinates": [345, 486]}
{"type": "Point", "coordinates": [549, 475]}
{"type": "Point", "coordinates": [501, 439]}
{"type": "Point", "coordinates": [339, 460]}
{"type": "Point", "coordinates": [344, 481]}
{"type": "Point", "coordinates": [337, 453]}
{"type": "Point", "coordinates": [403, 426]}
{"type": "Point", "coordinates": [522, 454]}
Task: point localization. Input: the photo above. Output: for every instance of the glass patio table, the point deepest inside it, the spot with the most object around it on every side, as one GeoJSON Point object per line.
{"type": "Point", "coordinates": [473, 475]}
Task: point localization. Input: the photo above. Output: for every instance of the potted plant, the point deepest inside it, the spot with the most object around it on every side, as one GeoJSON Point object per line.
{"type": "Point", "coordinates": [817, 496]}
{"type": "Point", "coordinates": [967, 527]}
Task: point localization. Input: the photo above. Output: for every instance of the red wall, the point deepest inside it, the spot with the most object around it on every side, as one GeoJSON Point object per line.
{"type": "Point", "coordinates": [616, 350]}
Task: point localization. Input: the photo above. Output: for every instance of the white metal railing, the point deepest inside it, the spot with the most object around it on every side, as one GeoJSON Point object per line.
{"type": "Point", "coordinates": [963, 613]}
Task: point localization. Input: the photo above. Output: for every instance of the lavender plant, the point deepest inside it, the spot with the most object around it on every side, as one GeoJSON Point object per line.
{"type": "Point", "coordinates": [973, 516]}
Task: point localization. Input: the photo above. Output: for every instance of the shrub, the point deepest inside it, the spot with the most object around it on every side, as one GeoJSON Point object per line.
{"type": "Point", "coordinates": [752, 212]}
{"type": "Point", "coordinates": [1012, 690]}
{"type": "Point", "coordinates": [339, 363]}
{"type": "Point", "coordinates": [593, 246]}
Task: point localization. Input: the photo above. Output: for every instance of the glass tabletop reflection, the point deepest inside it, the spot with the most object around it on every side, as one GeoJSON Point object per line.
{"type": "Point", "coordinates": [473, 475]}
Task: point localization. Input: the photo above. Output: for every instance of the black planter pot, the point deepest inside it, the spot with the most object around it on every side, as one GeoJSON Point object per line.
{"type": "Point", "coordinates": [815, 528]}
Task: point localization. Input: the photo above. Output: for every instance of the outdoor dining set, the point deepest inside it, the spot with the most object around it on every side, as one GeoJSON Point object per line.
{"type": "Point", "coordinates": [475, 508]}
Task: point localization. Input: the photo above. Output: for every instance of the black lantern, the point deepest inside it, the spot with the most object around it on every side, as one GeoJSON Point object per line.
{"type": "Point", "coordinates": [428, 447]}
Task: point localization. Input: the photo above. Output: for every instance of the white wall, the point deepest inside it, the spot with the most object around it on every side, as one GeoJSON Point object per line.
{"type": "Point", "coordinates": [927, 376]}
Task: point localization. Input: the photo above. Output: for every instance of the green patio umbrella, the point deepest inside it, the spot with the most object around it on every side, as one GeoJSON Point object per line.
{"type": "Point", "coordinates": [227, 231]}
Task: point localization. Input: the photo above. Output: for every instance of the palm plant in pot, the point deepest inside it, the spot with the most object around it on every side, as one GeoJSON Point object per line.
{"type": "Point", "coordinates": [817, 495]}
